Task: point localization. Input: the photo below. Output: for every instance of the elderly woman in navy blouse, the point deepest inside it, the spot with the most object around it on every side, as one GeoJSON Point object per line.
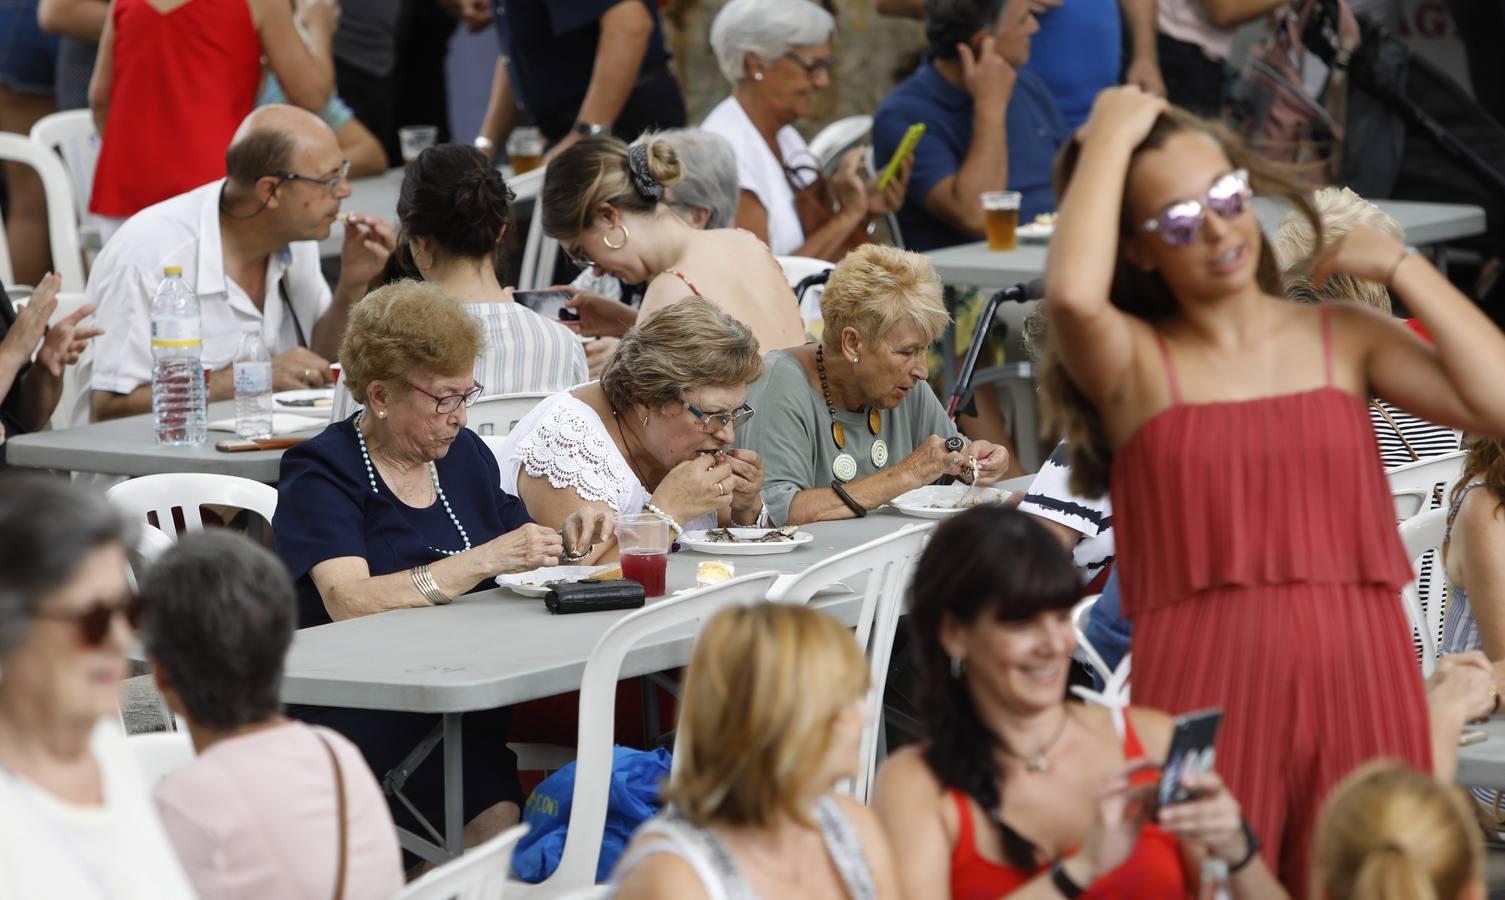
{"type": "Point", "coordinates": [400, 506]}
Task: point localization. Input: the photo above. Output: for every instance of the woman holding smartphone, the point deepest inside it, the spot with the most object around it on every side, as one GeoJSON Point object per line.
{"type": "Point", "coordinates": [1015, 792]}
{"type": "Point", "coordinates": [1256, 547]}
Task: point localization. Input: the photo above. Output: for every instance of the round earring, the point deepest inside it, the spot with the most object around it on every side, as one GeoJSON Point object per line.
{"type": "Point", "coordinates": [381, 414]}
{"type": "Point", "coordinates": [757, 76]}
{"type": "Point", "coordinates": [610, 245]}
{"type": "Point", "coordinates": [854, 360]}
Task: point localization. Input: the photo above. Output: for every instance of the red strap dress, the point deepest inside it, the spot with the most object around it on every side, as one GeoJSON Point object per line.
{"type": "Point", "coordinates": [182, 83]}
{"type": "Point", "coordinates": [1152, 872]}
{"type": "Point", "coordinates": [1261, 566]}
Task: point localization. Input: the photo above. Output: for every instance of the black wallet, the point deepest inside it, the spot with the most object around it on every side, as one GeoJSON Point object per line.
{"type": "Point", "coordinates": [594, 596]}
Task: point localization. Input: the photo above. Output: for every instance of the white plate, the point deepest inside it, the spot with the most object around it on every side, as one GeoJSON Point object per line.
{"type": "Point", "coordinates": [925, 502]}
{"type": "Point", "coordinates": [537, 582]}
{"type": "Point", "coordinates": [296, 402]}
{"type": "Point", "coordinates": [696, 540]}
{"type": "Point", "coordinates": [1036, 232]}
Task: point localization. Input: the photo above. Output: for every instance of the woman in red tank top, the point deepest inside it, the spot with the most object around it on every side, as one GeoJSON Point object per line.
{"type": "Point", "coordinates": [175, 78]}
{"type": "Point", "coordinates": [1016, 792]}
{"type": "Point", "coordinates": [1257, 548]}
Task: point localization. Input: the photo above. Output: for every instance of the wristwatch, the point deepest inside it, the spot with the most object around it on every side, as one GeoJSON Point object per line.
{"type": "Point", "coordinates": [590, 129]}
{"type": "Point", "coordinates": [484, 144]}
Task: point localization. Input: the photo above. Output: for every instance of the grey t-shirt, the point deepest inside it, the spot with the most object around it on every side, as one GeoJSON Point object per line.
{"type": "Point", "coordinates": [367, 36]}
{"type": "Point", "coordinates": [791, 430]}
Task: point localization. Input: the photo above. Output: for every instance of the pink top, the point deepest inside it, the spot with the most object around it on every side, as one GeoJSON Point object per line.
{"type": "Point", "coordinates": [255, 818]}
{"type": "Point", "coordinates": [1270, 491]}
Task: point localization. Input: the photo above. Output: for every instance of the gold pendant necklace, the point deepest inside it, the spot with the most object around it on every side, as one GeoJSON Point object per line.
{"type": "Point", "coordinates": [1038, 761]}
{"type": "Point", "coordinates": [838, 433]}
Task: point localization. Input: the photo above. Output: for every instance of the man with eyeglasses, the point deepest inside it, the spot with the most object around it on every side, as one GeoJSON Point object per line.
{"type": "Point", "coordinates": [248, 245]}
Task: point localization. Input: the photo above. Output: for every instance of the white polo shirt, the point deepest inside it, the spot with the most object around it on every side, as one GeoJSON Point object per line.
{"type": "Point", "coordinates": [184, 231]}
{"type": "Point", "coordinates": [760, 172]}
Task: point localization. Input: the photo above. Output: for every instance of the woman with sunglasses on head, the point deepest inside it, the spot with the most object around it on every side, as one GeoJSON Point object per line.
{"type": "Point", "coordinates": [1256, 548]}
{"type": "Point", "coordinates": [656, 433]}
{"type": "Point", "coordinates": [398, 506]}
{"type": "Point", "coordinates": [777, 54]}
{"type": "Point", "coordinates": [606, 204]}
{"type": "Point", "coordinates": [76, 820]}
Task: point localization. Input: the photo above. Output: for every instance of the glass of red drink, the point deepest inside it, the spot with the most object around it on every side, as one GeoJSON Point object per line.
{"type": "Point", "coordinates": [643, 540]}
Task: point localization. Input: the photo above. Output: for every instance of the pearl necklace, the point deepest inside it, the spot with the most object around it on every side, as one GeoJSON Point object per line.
{"type": "Point", "coordinates": [360, 438]}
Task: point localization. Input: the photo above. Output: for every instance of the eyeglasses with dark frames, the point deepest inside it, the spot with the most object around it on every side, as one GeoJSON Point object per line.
{"type": "Point", "coordinates": [812, 67]}
{"type": "Point", "coordinates": [451, 402]}
{"type": "Point", "coordinates": [93, 623]}
{"type": "Point", "coordinates": [1180, 223]}
{"type": "Point", "coordinates": [714, 422]}
{"type": "Point", "coordinates": [330, 184]}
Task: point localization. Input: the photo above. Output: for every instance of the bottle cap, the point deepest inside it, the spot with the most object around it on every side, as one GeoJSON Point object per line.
{"type": "Point", "coordinates": [172, 270]}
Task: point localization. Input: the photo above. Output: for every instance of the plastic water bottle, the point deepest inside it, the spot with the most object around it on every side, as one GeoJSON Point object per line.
{"type": "Point", "coordinates": [178, 391]}
{"type": "Point", "coordinates": [253, 387]}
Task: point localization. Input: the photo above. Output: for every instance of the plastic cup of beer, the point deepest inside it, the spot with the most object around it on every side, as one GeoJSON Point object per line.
{"type": "Point", "coordinates": [643, 540]}
{"type": "Point", "coordinates": [525, 149]}
{"type": "Point", "coordinates": [415, 139]}
{"type": "Point", "coordinates": [1000, 210]}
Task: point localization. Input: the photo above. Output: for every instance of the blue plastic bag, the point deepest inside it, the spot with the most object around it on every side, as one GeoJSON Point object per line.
{"type": "Point", "coordinates": [635, 779]}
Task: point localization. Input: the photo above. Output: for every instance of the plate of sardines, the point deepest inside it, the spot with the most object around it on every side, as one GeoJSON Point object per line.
{"type": "Point", "coordinates": [746, 541]}
{"type": "Point", "coordinates": [940, 501]}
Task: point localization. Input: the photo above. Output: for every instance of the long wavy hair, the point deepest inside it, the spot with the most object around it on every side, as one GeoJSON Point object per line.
{"type": "Point", "coordinates": [1067, 413]}
{"type": "Point", "coordinates": [1485, 462]}
{"type": "Point", "coordinates": [993, 562]}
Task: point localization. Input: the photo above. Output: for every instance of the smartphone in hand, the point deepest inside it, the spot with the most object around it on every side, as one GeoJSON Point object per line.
{"type": "Point", "coordinates": [549, 304]}
{"type": "Point", "coordinates": [1191, 753]}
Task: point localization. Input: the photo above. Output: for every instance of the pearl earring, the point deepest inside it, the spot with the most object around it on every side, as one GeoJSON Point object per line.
{"type": "Point", "coordinates": [381, 414]}
{"type": "Point", "coordinates": [854, 360]}
{"type": "Point", "coordinates": [757, 76]}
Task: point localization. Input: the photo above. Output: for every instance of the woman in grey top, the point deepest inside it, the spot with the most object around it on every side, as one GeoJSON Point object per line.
{"type": "Point", "coordinates": [847, 425]}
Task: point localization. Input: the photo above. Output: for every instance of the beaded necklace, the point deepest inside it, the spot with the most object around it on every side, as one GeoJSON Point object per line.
{"type": "Point", "coordinates": [360, 438]}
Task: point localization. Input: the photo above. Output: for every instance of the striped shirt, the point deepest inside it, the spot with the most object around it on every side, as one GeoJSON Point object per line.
{"type": "Point", "coordinates": [1050, 497]}
{"type": "Point", "coordinates": [525, 353]}
{"type": "Point", "coordinates": [1424, 437]}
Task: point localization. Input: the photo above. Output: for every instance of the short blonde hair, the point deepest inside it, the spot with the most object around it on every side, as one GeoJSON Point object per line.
{"type": "Point", "coordinates": [405, 328]}
{"type": "Point", "coordinates": [686, 345]}
{"type": "Point", "coordinates": [764, 687]}
{"type": "Point", "coordinates": [1391, 832]}
{"type": "Point", "coordinates": [876, 288]}
{"type": "Point", "coordinates": [1341, 210]}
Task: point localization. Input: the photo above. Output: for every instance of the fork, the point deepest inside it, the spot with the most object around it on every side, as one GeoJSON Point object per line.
{"type": "Point", "coordinates": [962, 503]}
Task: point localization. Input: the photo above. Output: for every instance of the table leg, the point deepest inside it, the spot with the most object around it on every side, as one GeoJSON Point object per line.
{"type": "Point", "coordinates": [454, 787]}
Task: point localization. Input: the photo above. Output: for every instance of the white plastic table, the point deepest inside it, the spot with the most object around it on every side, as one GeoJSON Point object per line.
{"type": "Point", "coordinates": [495, 648]}
{"type": "Point", "coordinates": [128, 447]}
{"type": "Point", "coordinates": [1483, 764]}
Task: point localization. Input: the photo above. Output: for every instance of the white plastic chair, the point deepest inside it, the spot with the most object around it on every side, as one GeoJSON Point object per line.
{"type": "Point", "coordinates": [540, 251]}
{"type": "Point", "coordinates": [1413, 484]}
{"type": "Point", "coordinates": [598, 700]}
{"type": "Point", "coordinates": [158, 754]}
{"type": "Point", "coordinates": [797, 269]}
{"type": "Point", "coordinates": [599, 892]}
{"type": "Point", "coordinates": [887, 564]}
{"type": "Point", "coordinates": [497, 414]}
{"type": "Point", "coordinates": [1420, 534]}
{"type": "Point", "coordinates": [1115, 694]}
{"type": "Point", "coordinates": [62, 224]}
{"type": "Point", "coordinates": [187, 491]}
{"type": "Point", "coordinates": [1080, 614]}
{"type": "Point", "coordinates": [481, 874]}
{"type": "Point", "coordinates": [839, 137]}
{"type": "Point", "coordinates": [71, 134]}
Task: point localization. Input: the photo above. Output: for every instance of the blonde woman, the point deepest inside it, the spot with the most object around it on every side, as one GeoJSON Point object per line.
{"type": "Point", "coordinates": [775, 701]}
{"type": "Point", "coordinates": [1392, 833]}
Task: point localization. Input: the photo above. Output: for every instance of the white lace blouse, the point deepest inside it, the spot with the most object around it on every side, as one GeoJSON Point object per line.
{"type": "Point", "coordinates": [565, 441]}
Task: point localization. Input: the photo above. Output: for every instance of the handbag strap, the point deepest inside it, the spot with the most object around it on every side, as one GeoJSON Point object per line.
{"type": "Point", "coordinates": [339, 794]}
{"type": "Point", "coordinates": [1385, 414]}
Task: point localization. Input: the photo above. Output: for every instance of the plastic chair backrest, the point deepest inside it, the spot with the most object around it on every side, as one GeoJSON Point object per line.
{"type": "Point", "coordinates": [71, 134]}
{"type": "Point", "coordinates": [187, 491]}
{"type": "Point", "coordinates": [598, 700]}
{"type": "Point", "coordinates": [599, 892]}
{"type": "Point", "coordinates": [1420, 534]}
{"type": "Point", "coordinates": [839, 137]}
{"type": "Point", "coordinates": [498, 414]}
{"type": "Point", "coordinates": [887, 564]}
{"type": "Point", "coordinates": [1080, 614]}
{"type": "Point", "coordinates": [1414, 484]}
{"type": "Point", "coordinates": [158, 754]}
{"type": "Point", "coordinates": [1115, 694]}
{"type": "Point", "coordinates": [481, 874]}
{"type": "Point", "coordinates": [62, 219]}
{"type": "Point", "coordinates": [539, 250]}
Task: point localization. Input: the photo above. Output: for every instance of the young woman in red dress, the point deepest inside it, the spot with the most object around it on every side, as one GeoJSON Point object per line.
{"type": "Point", "coordinates": [1256, 537]}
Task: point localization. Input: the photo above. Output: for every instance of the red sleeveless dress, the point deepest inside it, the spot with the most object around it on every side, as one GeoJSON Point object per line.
{"type": "Point", "coordinates": [1261, 566]}
{"type": "Point", "coordinates": [1152, 872]}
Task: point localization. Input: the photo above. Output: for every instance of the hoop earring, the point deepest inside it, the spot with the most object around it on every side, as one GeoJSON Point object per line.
{"type": "Point", "coordinates": [610, 245]}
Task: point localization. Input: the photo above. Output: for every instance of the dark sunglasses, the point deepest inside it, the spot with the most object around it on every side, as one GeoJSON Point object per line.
{"type": "Point", "coordinates": [93, 624]}
{"type": "Point", "coordinates": [1179, 223]}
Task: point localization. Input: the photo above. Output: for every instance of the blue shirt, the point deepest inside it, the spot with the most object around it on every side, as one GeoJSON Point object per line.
{"type": "Point", "coordinates": [551, 50]}
{"type": "Point", "coordinates": [1077, 52]}
{"type": "Point", "coordinates": [1035, 130]}
{"type": "Point", "coordinates": [326, 509]}
{"type": "Point", "coordinates": [1107, 630]}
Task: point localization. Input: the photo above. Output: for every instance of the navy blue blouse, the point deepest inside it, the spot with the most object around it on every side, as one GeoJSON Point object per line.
{"type": "Point", "coordinates": [326, 509]}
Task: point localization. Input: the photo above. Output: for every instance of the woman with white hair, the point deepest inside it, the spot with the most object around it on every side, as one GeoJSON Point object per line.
{"type": "Point", "coordinates": [777, 54]}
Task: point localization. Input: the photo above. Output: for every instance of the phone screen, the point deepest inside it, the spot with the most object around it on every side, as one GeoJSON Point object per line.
{"type": "Point", "coordinates": [1192, 752]}
{"type": "Point", "coordinates": [549, 304]}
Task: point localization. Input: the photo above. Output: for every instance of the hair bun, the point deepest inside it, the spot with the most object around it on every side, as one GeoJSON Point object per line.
{"type": "Point", "coordinates": [664, 162]}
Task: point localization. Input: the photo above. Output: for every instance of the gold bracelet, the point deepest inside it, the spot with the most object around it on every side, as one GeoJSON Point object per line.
{"type": "Point", "coordinates": [424, 581]}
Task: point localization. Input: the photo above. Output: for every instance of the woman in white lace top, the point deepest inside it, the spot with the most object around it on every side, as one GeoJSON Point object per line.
{"type": "Point", "coordinates": [656, 432]}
